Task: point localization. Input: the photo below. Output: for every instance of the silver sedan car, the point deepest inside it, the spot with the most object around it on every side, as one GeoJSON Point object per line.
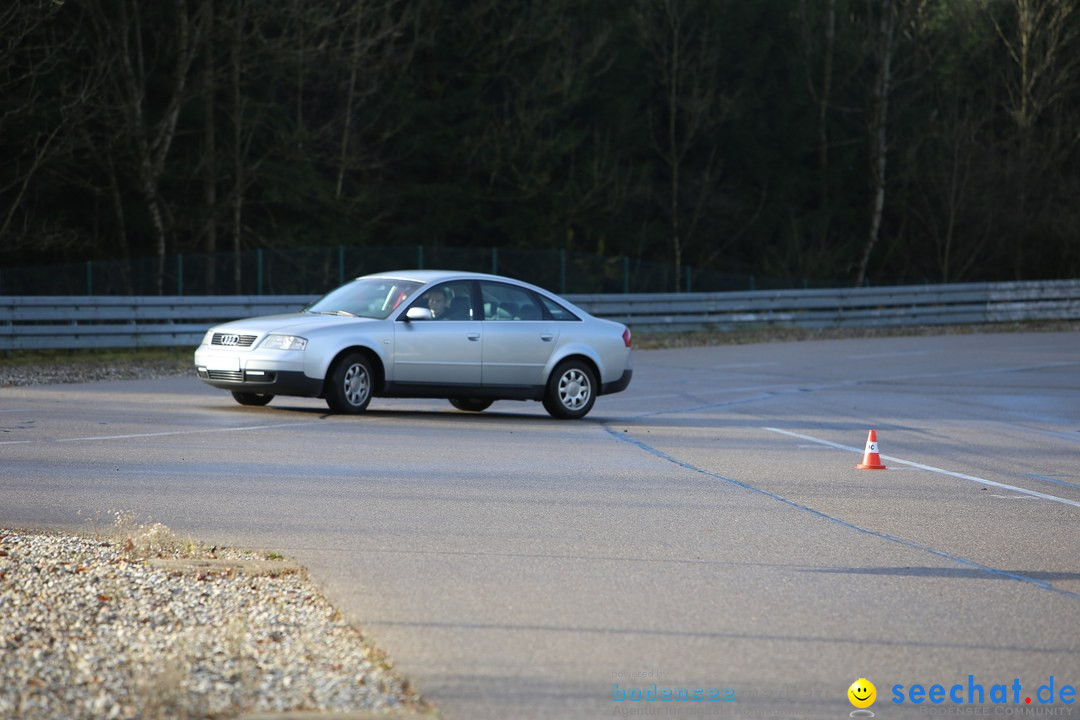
{"type": "Point", "coordinates": [467, 337]}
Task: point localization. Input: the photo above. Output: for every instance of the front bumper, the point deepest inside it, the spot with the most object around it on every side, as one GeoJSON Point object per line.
{"type": "Point", "coordinates": [263, 382]}
{"type": "Point", "coordinates": [265, 373]}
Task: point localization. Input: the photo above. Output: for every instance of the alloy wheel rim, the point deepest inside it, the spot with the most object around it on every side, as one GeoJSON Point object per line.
{"type": "Point", "coordinates": [356, 385]}
{"type": "Point", "coordinates": [574, 389]}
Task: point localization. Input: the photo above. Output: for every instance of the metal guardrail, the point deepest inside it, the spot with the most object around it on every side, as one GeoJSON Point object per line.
{"type": "Point", "coordinates": [956, 304]}
{"type": "Point", "coordinates": [76, 321]}
{"type": "Point", "coordinates": [68, 322]}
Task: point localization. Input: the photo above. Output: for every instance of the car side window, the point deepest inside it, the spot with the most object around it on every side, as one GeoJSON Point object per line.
{"type": "Point", "coordinates": [506, 303]}
{"type": "Point", "coordinates": [448, 301]}
{"type": "Point", "coordinates": [557, 311]}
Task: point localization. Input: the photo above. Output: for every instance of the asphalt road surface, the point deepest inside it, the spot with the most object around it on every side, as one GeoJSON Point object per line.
{"type": "Point", "coordinates": [704, 531]}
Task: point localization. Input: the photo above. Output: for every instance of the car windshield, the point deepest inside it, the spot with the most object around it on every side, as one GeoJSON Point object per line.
{"type": "Point", "coordinates": [366, 297]}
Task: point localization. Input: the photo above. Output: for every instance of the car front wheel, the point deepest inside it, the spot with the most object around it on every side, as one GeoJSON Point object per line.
{"type": "Point", "coordinates": [571, 391]}
{"type": "Point", "coordinates": [248, 398]}
{"type": "Point", "coordinates": [349, 385]}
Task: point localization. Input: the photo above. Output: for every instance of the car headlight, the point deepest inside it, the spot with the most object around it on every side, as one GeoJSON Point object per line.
{"type": "Point", "coordinates": [283, 342]}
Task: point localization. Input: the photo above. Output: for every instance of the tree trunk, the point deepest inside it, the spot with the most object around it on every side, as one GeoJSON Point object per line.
{"type": "Point", "coordinates": [153, 151]}
{"type": "Point", "coordinates": [823, 124]}
{"type": "Point", "coordinates": [238, 138]}
{"type": "Point", "coordinates": [674, 151]}
{"type": "Point", "coordinates": [209, 149]}
{"type": "Point", "coordinates": [878, 134]}
{"type": "Point", "coordinates": [350, 98]}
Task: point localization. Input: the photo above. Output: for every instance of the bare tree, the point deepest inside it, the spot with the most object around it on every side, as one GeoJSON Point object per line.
{"type": "Point", "coordinates": [877, 130]}
{"type": "Point", "coordinates": [683, 46]}
{"type": "Point", "coordinates": [1044, 47]}
{"type": "Point", "coordinates": [820, 53]}
{"type": "Point", "coordinates": [149, 125]}
{"type": "Point", "coordinates": [372, 50]}
{"type": "Point", "coordinates": [209, 151]}
{"type": "Point", "coordinates": [528, 144]}
{"type": "Point", "coordinates": [236, 67]}
{"type": "Point", "coordinates": [27, 58]}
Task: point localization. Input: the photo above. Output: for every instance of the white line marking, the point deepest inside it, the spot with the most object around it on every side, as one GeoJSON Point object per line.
{"type": "Point", "coordinates": [182, 432]}
{"type": "Point", "coordinates": [931, 468]}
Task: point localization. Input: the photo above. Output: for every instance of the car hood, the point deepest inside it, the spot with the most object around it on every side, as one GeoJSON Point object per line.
{"type": "Point", "coordinates": [288, 324]}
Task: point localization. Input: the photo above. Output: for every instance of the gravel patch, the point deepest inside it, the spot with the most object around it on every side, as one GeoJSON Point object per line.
{"type": "Point", "coordinates": [54, 370]}
{"type": "Point", "coordinates": [146, 626]}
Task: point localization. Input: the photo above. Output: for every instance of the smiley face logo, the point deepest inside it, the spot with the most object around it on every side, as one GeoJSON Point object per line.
{"type": "Point", "coordinates": [862, 693]}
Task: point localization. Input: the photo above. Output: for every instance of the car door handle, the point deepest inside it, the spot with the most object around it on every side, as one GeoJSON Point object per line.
{"type": "Point", "coordinates": [547, 337]}
{"type": "Point", "coordinates": [473, 336]}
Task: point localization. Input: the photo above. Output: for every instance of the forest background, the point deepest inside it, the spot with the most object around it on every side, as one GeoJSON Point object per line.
{"type": "Point", "coordinates": [848, 141]}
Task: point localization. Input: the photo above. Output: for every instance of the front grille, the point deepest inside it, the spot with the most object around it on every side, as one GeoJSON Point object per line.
{"type": "Point", "coordinates": [232, 340]}
{"type": "Point", "coordinates": [230, 375]}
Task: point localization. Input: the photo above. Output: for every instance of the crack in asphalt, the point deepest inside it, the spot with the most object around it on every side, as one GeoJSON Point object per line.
{"type": "Point", "coordinates": [911, 544]}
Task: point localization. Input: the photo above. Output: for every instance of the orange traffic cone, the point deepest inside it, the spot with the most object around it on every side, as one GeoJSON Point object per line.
{"type": "Point", "coordinates": [871, 459]}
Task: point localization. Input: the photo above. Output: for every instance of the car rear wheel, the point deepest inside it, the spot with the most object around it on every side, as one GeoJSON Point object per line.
{"type": "Point", "coordinates": [349, 386]}
{"type": "Point", "coordinates": [571, 391]}
{"type": "Point", "coordinates": [247, 398]}
{"type": "Point", "coordinates": [470, 404]}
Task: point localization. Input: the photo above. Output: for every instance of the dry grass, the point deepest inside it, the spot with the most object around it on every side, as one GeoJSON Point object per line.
{"type": "Point", "coordinates": [140, 540]}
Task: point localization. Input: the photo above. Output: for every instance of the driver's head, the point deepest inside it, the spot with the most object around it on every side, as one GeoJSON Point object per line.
{"type": "Point", "coordinates": [437, 302]}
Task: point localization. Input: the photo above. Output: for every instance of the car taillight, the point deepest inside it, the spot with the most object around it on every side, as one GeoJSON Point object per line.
{"type": "Point", "coordinates": [626, 337]}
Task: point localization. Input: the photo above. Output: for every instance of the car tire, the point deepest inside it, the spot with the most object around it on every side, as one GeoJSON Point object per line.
{"type": "Point", "coordinates": [349, 387]}
{"type": "Point", "coordinates": [249, 398]}
{"type": "Point", "coordinates": [571, 390]}
{"type": "Point", "coordinates": [471, 404]}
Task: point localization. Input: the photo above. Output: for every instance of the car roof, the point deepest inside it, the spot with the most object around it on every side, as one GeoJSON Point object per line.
{"type": "Point", "coordinates": [428, 276]}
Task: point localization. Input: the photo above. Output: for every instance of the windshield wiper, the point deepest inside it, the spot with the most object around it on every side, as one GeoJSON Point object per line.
{"type": "Point", "coordinates": [340, 313]}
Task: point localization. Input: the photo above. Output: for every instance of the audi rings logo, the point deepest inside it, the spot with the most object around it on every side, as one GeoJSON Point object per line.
{"type": "Point", "coordinates": [230, 339]}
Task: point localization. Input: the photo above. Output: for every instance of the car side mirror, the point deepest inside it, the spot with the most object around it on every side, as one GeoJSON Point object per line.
{"type": "Point", "coordinates": [419, 313]}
